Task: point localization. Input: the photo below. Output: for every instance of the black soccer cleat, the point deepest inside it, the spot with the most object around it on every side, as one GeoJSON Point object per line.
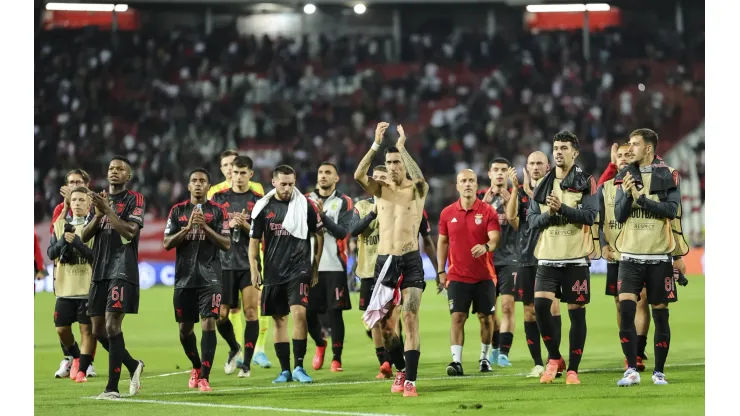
{"type": "Point", "coordinates": [454, 369]}
{"type": "Point", "coordinates": [485, 366]}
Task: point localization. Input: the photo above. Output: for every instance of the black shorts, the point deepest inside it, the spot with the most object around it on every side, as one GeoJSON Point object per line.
{"type": "Point", "coordinates": [193, 301]}
{"type": "Point", "coordinates": [115, 295]}
{"type": "Point", "coordinates": [612, 272]}
{"type": "Point", "coordinates": [277, 299]}
{"type": "Point", "coordinates": [408, 265]}
{"type": "Point", "coordinates": [331, 293]}
{"type": "Point", "coordinates": [572, 282]}
{"type": "Point", "coordinates": [234, 281]}
{"type": "Point", "coordinates": [68, 311]}
{"type": "Point", "coordinates": [525, 284]}
{"type": "Point", "coordinates": [482, 295]}
{"type": "Point", "coordinates": [367, 286]}
{"type": "Point", "coordinates": [656, 278]}
{"type": "Point", "coordinates": [506, 283]}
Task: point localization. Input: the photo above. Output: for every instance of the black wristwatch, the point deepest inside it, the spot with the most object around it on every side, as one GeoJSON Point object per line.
{"type": "Point", "coordinates": [488, 249]}
{"type": "Point", "coordinates": [438, 273]}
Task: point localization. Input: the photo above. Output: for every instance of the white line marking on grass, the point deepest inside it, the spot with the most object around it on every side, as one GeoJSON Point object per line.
{"type": "Point", "coordinates": [349, 383]}
{"type": "Point", "coordinates": [168, 374]}
{"type": "Point", "coordinates": [236, 406]}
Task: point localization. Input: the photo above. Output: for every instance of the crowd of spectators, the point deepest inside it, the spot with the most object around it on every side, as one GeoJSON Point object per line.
{"type": "Point", "coordinates": [173, 101]}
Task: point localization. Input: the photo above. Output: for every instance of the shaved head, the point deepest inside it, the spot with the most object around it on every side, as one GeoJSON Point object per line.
{"type": "Point", "coordinates": [537, 165]}
{"type": "Point", "coordinates": [466, 173]}
{"type": "Point", "coordinates": [467, 184]}
{"type": "Point", "coordinates": [538, 156]}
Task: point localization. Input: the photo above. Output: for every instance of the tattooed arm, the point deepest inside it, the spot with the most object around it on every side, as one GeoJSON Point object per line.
{"type": "Point", "coordinates": [367, 182]}
{"type": "Point", "coordinates": [411, 167]}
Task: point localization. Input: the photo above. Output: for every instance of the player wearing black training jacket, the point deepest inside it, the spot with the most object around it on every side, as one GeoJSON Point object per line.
{"type": "Point", "coordinates": [288, 266]}
{"type": "Point", "coordinates": [198, 229]}
{"type": "Point", "coordinates": [114, 292]}
{"type": "Point", "coordinates": [504, 260]}
{"type": "Point", "coordinates": [238, 202]}
{"type": "Point", "coordinates": [536, 168]}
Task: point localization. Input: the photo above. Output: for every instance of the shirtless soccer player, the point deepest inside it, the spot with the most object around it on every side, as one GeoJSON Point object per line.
{"type": "Point", "coordinates": [400, 205]}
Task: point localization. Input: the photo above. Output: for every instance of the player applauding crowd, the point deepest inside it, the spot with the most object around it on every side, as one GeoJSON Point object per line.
{"type": "Point", "coordinates": [284, 254]}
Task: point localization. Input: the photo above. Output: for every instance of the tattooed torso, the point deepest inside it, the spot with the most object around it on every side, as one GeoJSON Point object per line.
{"type": "Point", "coordinates": [399, 214]}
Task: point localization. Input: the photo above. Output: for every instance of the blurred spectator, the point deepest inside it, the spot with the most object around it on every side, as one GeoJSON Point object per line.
{"type": "Point", "coordinates": [173, 101]}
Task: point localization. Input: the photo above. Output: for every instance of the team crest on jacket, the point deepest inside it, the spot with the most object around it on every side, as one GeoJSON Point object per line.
{"type": "Point", "coordinates": [478, 219]}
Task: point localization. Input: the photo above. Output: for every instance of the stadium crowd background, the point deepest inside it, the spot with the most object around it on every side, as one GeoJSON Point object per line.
{"type": "Point", "coordinates": [171, 97]}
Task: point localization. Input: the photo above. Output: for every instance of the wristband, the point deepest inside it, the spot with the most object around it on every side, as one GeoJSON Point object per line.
{"type": "Point", "coordinates": [438, 273]}
{"type": "Point", "coordinates": [375, 146]}
{"type": "Point", "coordinates": [488, 249]}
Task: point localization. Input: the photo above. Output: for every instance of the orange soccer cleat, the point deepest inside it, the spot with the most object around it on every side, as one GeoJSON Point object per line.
{"type": "Point", "coordinates": [397, 386]}
{"type": "Point", "coordinates": [81, 377]}
{"type": "Point", "coordinates": [572, 378]}
{"type": "Point", "coordinates": [74, 369]}
{"type": "Point", "coordinates": [194, 376]}
{"type": "Point", "coordinates": [550, 371]}
{"type": "Point", "coordinates": [386, 371]}
{"type": "Point", "coordinates": [203, 385]}
{"type": "Point", "coordinates": [336, 366]}
{"type": "Point", "coordinates": [318, 358]}
{"type": "Point", "coordinates": [409, 390]}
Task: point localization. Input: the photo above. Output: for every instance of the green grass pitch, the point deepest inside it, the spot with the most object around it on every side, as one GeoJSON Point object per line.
{"type": "Point", "coordinates": [152, 336]}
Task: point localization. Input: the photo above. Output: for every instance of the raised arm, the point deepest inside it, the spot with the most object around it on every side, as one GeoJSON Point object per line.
{"type": "Point", "coordinates": [368, 183]}
{"type": "Point", "coordinates": [411, 167]}
{"type": "Point", "coordinates": [512, 206]}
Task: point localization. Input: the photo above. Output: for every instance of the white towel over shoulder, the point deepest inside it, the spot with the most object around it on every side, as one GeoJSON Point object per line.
{"type": "Point", "coordinates": [295, 221]}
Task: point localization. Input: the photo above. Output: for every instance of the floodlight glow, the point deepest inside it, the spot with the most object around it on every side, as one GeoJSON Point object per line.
{"type": "Point", "coordinates": [552, 8]}
{"type": "Point", "coordinates": [87, 7]}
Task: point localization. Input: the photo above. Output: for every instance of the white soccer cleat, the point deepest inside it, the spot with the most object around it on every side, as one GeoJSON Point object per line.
{"type": "Point", "coordinates": [91, 371]}
{"type": "Point", "coordinates": [631, 378]}
{"type": "Point", "coordinates": [135, 384]}
{"type": "Point", "coordinates": [537, 372]}
{"type": "Point", "coordinates": [109, 395]}
{"type": "Point", "coordinates": [659, 378]}
{"type": "Point", "coordinates": [230, 365]}
{"type": "Point", "coordinates": [64, 368]}
{"type": "Point", "coordinates": [243, 373]}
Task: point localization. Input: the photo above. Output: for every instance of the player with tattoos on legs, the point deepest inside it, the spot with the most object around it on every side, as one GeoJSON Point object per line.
{"type": "Point", "coordinates": [400, 205]}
